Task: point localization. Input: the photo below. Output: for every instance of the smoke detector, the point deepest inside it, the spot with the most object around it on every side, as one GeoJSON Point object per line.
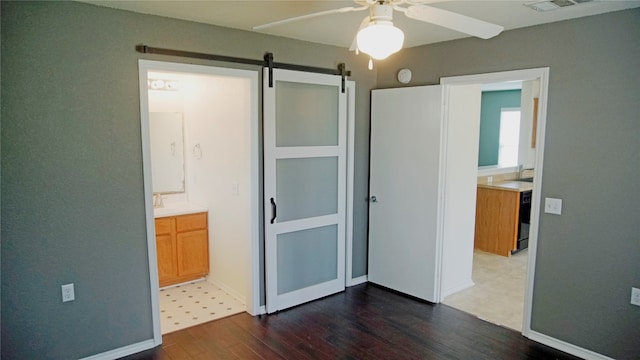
{"type": "Point", "coordinates": [548, 5]}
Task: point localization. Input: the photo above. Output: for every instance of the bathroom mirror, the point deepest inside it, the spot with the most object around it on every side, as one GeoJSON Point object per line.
{"type": "Point", "coordinates": [167, 152]}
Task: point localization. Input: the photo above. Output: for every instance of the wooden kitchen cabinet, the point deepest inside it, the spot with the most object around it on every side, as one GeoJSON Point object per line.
{"type": "Point", "coordinates": [182, 244]}
{"type": "Point", "coordinates": [497, 217]}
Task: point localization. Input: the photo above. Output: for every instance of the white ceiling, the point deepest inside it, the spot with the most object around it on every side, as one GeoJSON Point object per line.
{"type": "Point", "coordinates": [340, 29]}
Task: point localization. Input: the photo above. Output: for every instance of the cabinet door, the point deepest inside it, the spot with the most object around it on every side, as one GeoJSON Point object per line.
{"type": "Point", "coordinates": [193, 253]}
{"type": "Point", "coordinates": [166, 251]}
{"type": "Point", "coordinates": [496, 221]}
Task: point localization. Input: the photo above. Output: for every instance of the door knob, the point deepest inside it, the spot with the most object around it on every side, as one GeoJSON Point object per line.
{"type": "Point", "coordinates": [374, 199]}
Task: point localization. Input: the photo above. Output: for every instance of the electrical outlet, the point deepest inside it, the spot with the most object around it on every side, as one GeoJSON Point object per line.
{"type": "Point", "coordinates": [553, 206]}
{"type": "Point", "coordinates": [635, 296]}
{"type": "Point", "coordinates": [68, 294]}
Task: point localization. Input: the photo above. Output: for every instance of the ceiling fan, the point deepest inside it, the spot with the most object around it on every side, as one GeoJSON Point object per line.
{"type": "Point", "coordinates": [377, 36]}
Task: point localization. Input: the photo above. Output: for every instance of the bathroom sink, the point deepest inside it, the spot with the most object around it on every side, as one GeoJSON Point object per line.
{"type": "Point", "coordinates": [529, 180]}
{"type": "Point", "coordinates": [177, 208]}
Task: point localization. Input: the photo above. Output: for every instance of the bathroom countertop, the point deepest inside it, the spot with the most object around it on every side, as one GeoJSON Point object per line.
{"type": "Point", "coordinates": [518, 186]}
{"type": "Point", "coordinates": [177, 208]}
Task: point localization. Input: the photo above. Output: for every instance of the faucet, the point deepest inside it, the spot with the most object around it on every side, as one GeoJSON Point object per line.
{"type": "Point", "coordinates": [522, 169]}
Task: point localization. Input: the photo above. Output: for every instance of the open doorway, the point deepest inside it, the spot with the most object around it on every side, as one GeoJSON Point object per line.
{"type": "Point", "coordinates": [499, 279]}
{"type": "Point", "coordinates": [200, 155]}
{"type": "Point", "coordinates": [506, 164]}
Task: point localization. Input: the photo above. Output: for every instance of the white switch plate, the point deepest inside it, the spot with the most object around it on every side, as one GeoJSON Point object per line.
{"type": "Point", "coordinates": [553, 206]}
{"type": "Point", "coordinates": [68, 294]}
{"type": "Point", "coordinates": [635, 296]}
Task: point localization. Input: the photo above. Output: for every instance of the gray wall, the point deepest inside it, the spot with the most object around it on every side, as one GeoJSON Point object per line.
{"type": "Point", "coordinates": [589, 257]}
{"type": "Point", "coordinates": [72, 191]}
{"type": "Point", "coordinates": [72, 199]}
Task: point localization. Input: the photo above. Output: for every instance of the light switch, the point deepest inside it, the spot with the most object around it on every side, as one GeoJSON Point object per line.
{"type": "Point", "coordinates": [553, 206]}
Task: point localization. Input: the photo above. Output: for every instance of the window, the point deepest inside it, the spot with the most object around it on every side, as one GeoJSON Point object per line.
{"type": "Point", "coordinates": [509, 137]}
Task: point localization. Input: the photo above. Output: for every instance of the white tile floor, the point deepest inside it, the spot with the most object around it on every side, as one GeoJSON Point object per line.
{"type": "Point", "coordinates": [498, 293]}
{"type": "Point", "coordinates": [194, 303]}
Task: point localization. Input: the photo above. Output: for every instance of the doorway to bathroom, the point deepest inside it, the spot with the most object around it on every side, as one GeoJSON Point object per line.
{"type": "Point", "coordinates": [200, 138]}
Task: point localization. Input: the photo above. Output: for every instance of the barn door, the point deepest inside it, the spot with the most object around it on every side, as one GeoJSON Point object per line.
{"type": "Point", "coordinates": [305, 187]}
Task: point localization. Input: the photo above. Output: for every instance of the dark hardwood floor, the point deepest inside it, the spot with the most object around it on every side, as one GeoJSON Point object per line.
{"type": "Point", "coordinates": [364, 322]}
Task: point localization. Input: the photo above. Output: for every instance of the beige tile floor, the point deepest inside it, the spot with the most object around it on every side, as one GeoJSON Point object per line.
{"type": "Point", "coordinates": [498, 293]}
{"type": "Point", "coordinates": [194, 303]}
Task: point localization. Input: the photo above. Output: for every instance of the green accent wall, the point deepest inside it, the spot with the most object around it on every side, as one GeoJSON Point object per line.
{"type": "Point", "coordinates": [492, 104]}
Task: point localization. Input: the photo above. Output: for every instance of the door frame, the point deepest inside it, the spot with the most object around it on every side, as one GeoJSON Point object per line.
{"type": "Point", "coordinates": [526, 74]}
{"type": "Point", "coordinates": [351, 128]}
{"type": "Point", "coordinates": [253, 255]}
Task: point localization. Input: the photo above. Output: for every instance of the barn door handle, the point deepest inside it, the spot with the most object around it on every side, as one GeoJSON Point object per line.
{"type": "Point", "coordinates": [274, 209]}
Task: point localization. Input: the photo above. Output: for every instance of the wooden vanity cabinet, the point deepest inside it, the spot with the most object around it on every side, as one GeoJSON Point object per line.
{"type": "Point", "coordinates": [497, 217]}
{"type": "Point", "coordinates": [166, 249]}
{"type": "Point", "coordinates": [182, 244]}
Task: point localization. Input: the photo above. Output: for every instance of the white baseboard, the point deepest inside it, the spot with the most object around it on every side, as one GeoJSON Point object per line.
{"type": "Point", "coordinates": [455, 289]}
{"type": "Point", "coordinates": [357, 281]}
{"type": "Point", "coordinates": [227, 289]}
{"type": "Point", "coordinates": [183, 283]}
{"type": "Point", "coordinates": [565, 346]}
{"type": "Point", "coordinates": [124, 351]}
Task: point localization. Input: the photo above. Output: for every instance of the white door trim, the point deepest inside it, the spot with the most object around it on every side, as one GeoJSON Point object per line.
{"type": "Point", "coordinates": [351, 129]}
{"type": "Point", "coordinates": [528, 74]}
{"type": "Point", "coordinates": [253, 293]}
{"type": "Point", "coordinates": [461, 109]}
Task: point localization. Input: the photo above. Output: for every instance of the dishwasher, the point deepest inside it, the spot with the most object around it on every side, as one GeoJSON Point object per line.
{"type": "Point", "coordinates": [524, 220]}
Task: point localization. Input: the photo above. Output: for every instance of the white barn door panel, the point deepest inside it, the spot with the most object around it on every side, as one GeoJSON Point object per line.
{"type": "Point", "coordinates": [305, 132]}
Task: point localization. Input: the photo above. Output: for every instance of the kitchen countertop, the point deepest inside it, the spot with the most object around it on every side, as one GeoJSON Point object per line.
{"type": "Point", "coordinates": [177, 208]}
{"type": "Point", "coordinates": [509, 185]}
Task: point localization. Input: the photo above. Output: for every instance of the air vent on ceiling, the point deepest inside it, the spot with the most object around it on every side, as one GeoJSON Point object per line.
{"type": "Point", "coordinates": [547, 5]}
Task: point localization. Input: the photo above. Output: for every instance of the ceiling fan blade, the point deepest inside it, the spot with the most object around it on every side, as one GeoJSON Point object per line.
{"type": "Point", "coordinates": [309, 16]}
{"type": "Point", "coordinates": [363, 24]}
{"type": "Point", "coordinates": [453, 21]}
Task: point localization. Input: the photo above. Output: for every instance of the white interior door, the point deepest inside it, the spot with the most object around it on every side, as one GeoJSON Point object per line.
{"type": "Point", "coordinates": [404, 189]}
{"type": "Point", "coordinates": [305, 187]}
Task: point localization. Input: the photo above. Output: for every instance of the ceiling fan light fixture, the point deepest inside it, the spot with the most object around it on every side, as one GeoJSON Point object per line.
{"type": "Point", "coordinates": [380, 39]}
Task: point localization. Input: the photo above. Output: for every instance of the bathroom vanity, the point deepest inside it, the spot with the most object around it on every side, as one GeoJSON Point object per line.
{"type": "Point", "coordinates": [182, 243]}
